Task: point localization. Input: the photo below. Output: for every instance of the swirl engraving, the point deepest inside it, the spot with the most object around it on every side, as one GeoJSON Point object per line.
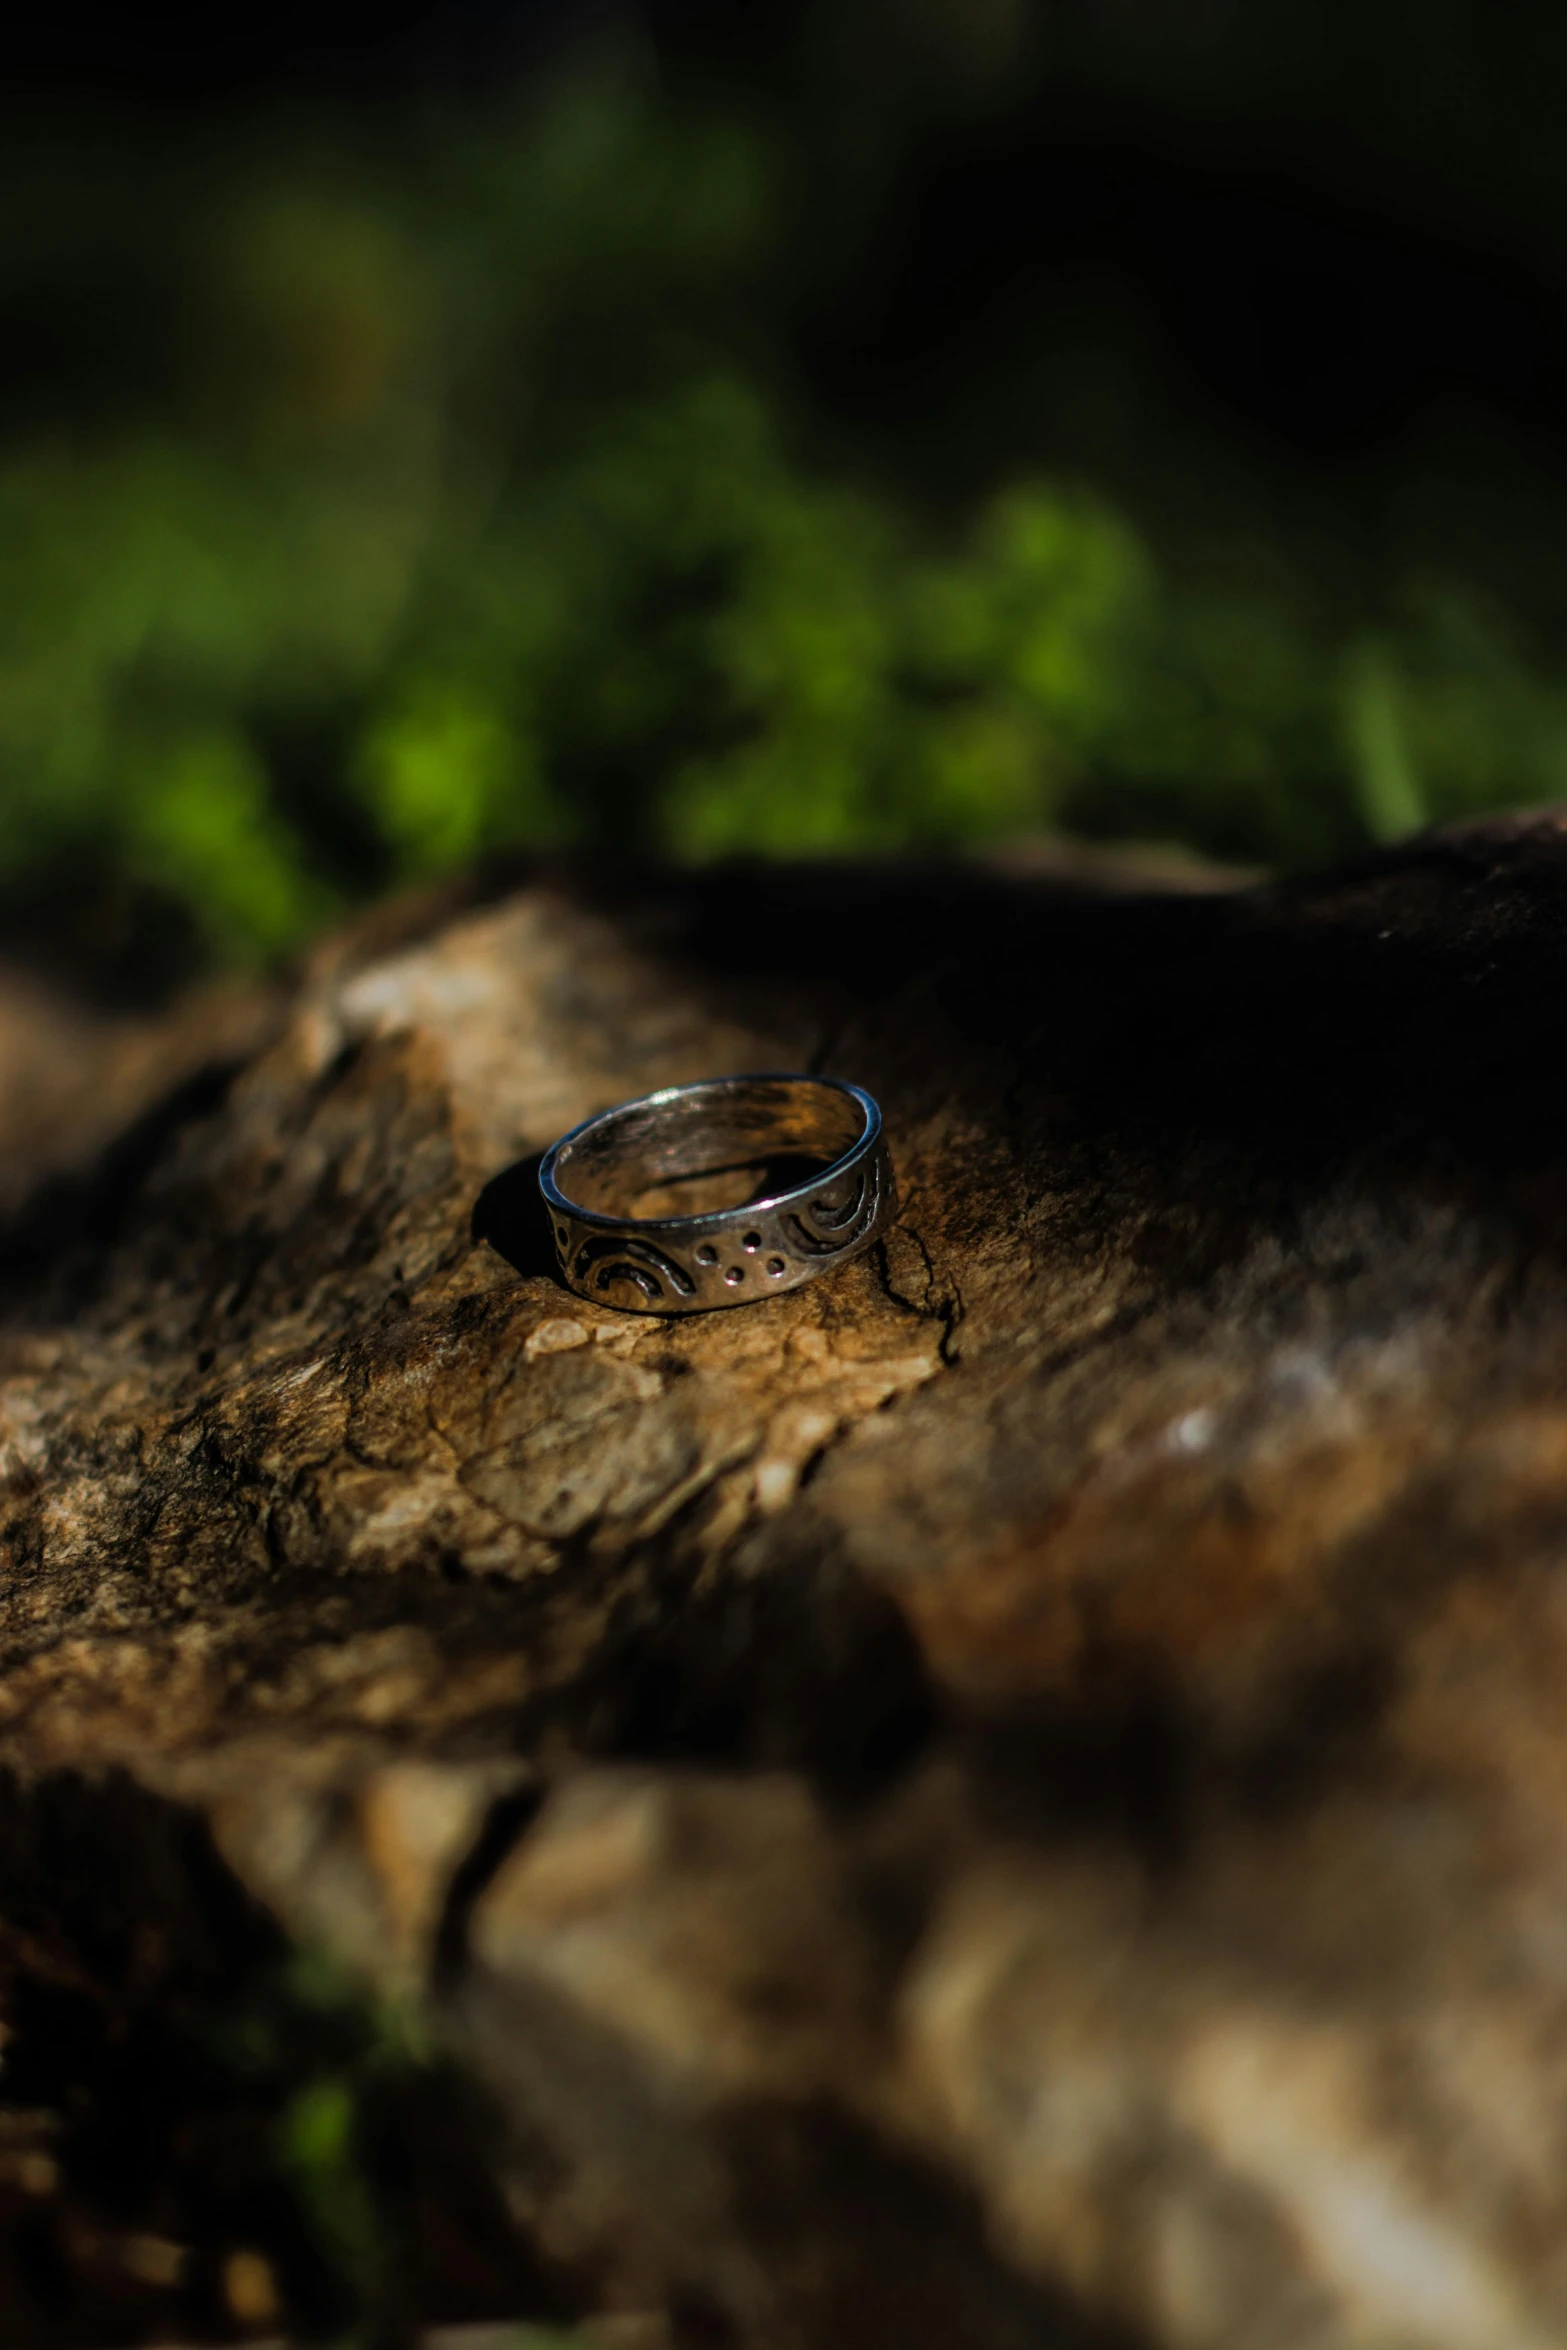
{"type": "Point", "coordinates": [825, 1227]}
{"type": "Point", "coordinates": [620, 1257]}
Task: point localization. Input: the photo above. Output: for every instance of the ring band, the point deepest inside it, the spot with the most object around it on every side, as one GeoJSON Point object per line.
{"type": "Point", "coordinates": [808, 1152]}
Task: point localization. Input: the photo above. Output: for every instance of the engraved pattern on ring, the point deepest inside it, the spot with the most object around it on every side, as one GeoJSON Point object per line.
{"type": "Point", "coordinates": [687, 1264]}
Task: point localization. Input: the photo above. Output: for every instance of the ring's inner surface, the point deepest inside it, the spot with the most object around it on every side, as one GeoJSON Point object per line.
{"type": "Point", "coordinates": [718, 1146]}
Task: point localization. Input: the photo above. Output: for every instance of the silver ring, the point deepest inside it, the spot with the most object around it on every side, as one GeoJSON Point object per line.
{"type": "Point", "coordinates": [636, 1195]}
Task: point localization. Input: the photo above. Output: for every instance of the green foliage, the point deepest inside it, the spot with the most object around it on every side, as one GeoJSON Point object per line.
{"type": "Point", "coordinates": [320, 2154]}
{"type": "Point", "coordinates": [328, 2058]}
{"type": "Point", "coordinates": [471, 513]}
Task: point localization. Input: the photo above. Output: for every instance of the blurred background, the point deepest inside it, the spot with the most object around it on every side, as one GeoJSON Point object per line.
{"type": "Point", "coordinates": [687, 430]}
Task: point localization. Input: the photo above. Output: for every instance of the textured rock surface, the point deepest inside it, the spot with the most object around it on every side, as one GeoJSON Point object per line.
{"type": "Point", "coordinates": [1013, 1796]}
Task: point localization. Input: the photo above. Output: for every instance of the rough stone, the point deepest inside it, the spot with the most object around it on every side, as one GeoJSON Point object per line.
{"type": "Point", "coordinates": [1013, 1795]}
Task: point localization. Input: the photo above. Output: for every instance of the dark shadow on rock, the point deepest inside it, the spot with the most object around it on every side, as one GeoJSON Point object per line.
{"type": "Point", "coordinates": [812, 1670]}
{"type": "Point", "coordinates": [509, 1215]}
{"type": "Point", "coordinates": [1414, 1001]}
{"type": "Point", "coordinates": [59, 1240]}
{"type": "Point", "coordinates": [506, 1822]}
{"type": "Point", "coordinates": [156, 2040]}
{"type": "Point", "coordinates": [915, 2268]}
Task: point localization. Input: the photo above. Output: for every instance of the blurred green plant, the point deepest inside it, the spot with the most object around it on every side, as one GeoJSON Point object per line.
{"type": "Point", "coordinates": [471, 514]}
{"type": "Point", "coordinates": [363, 2114]}
{"type": "Point", "coordinates": [328, 2059]}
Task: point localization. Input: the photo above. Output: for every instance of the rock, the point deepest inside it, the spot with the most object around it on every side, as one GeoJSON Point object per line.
{"type": "Point", "coordinates": [1011, 1795]}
